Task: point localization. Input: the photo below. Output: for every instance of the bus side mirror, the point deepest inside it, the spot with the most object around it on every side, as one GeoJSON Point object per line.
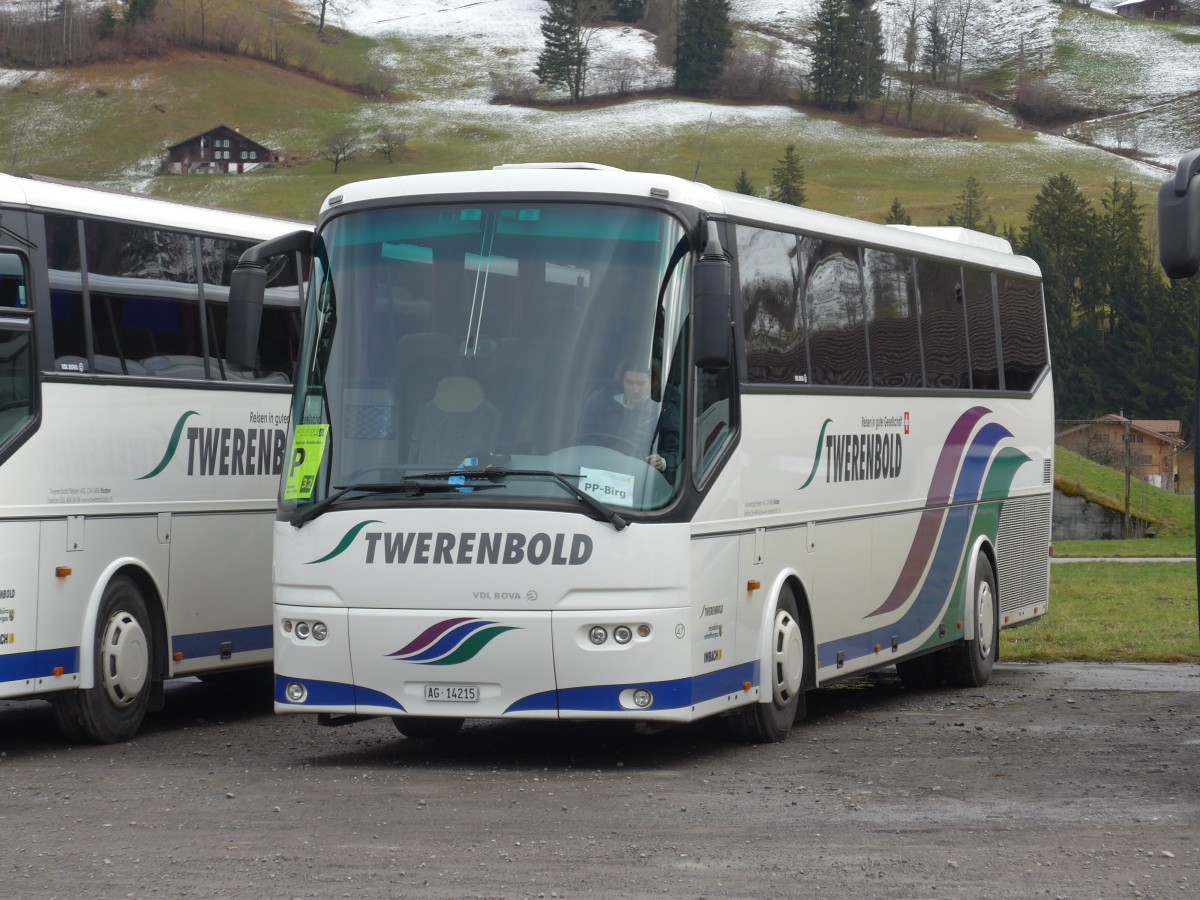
{"type": "Point", "coordinates": [256, 268]}
{"type": "Point", "coordinates": [1179, 219]}
{"type": "Point", "coordinates": [247, 288]}
{"type": "Point", "coordinates": [712, 328]}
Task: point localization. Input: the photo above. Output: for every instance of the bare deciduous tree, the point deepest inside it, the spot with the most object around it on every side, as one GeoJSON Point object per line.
{"type": "Point", "coordinates": [339, 146]}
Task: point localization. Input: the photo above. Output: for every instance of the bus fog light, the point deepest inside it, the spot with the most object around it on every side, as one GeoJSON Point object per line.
{"type": "Point", "coordinates": [597, 635]}
{"type": "Point", "coordinates": [320, 631]}
{"type": "Point", "coordinates": [303, 630]}
{"type": "Point", "coordinates": [622, 634]}
{"type": "Point", "coordinates": [295, 692]}
{"type": "Point", "coordinates": [642, 698]}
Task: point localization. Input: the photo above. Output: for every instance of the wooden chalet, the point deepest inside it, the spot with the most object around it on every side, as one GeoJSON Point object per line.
{"type": "Point", "coordinates": [219, 151]}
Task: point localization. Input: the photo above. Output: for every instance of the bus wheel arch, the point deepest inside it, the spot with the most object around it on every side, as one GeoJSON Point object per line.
{"type": "Point", "coordinates": [969, 664]}
{"type": "Point", "coordinates": [788, 668]}
{"type": "Point", "coordinates": [123, 656]}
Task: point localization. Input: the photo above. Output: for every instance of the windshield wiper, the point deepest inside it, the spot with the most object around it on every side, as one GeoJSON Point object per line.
{"type": "Point", "coordinates": [410, 486]}
{"type": "Point", "coordinates": [497, 473]}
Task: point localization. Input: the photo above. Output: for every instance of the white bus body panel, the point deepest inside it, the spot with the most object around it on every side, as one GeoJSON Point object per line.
{"type": "Point", "coordinates": [472, 618]}
{"type": "Point", "coordinates": [882, 556]}
{"type": "Point", "coordinates": [165, 481]}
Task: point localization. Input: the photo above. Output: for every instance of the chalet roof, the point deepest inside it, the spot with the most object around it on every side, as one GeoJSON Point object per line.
{"type": "Point", "coordinates": [195, 137]}
{"type": "Point", "coordinates": [1165, 430]}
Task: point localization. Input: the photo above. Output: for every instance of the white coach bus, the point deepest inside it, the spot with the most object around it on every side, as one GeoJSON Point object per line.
{"type": "Point", "coordinates": [138, 466]}
{"type": "Point", "coordinates": [570, 442]}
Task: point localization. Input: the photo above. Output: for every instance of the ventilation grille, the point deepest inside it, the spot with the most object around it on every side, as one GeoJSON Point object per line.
{"type": "Point", "coordinates": [1023, 552]}
{"type": "Point", "coordinates": [375, 422]}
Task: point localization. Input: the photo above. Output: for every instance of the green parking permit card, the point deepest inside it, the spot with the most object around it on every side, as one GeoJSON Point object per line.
{"type": "Point", "coordinates": [308, 449]}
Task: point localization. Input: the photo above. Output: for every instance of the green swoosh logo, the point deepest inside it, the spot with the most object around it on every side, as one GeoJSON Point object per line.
{"type": "Point", "coordinates": [172, 446]}
{"type": "Point", "coordinates": [817, 461]}
{"type": "Point", "coordinates": [346, 541]}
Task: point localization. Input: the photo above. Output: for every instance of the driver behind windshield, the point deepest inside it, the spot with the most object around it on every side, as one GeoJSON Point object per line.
{"type": "Point", "coordinates": [634, 423]}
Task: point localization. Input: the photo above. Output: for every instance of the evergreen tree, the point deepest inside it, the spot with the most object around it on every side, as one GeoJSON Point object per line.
{"type": "Point", "coordinates": [564, 57]}
{"type": "Point", "coordinates": [139, 11]}
{"type": "Point", "coordinates": [897, 215]}
{"type": "Point", "coordinates": [864, 53]}
{"type": "Point", "coordinates": [969, 208]}
{"type": "Point", "coordinates": [744, 185]}
{"type": "Point", "coordinates": [828, 49]}
{"type": "Point", "coordinates": [935, 55]}
{"type": "Point", "coordinates": [701, 43]}
{"type": "Point", "coordinates": [107, 24]}
{"type": "Point", "coordinates": [787, 179]}
{"type": "Point", "coordinates": [1059, 237]}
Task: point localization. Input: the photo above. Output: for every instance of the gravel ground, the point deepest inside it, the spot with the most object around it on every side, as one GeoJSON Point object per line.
{"type": "Point", "coordinates": [1071, 781]}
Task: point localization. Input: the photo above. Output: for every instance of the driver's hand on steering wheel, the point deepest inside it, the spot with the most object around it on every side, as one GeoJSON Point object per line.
{"type": "Point", "coordinates": [657, 461]}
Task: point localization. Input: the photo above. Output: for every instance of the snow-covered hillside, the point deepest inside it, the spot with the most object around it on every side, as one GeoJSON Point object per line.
{"type": "Point", "coordinates": [481, 38]}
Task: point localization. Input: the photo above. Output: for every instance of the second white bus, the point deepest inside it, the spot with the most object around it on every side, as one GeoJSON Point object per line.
{"type": "Point", "coordinates": [138, 465]}
{"type": "Point", "coordinates": [576, 443]}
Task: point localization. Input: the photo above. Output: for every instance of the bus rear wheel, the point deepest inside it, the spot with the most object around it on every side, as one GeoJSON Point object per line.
{"type": "Point", "coordinates": [427, 728]}
{"type": "Point", "coordinates": [122, 669]}
{"type": "Point", "coordinates": [767, 723]}
{"type": "Point", "coordinates": [970, 664]}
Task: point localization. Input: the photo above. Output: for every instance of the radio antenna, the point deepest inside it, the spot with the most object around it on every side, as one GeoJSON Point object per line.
{"type": "Point", "coordinates": [704, 140]}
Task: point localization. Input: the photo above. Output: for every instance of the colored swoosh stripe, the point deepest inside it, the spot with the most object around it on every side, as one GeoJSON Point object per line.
{"type": "Point", "coordinates": [451, 642]}
{"type": "Point", "coordinates": [935, 502]}
{"type": "Point", "coordinates": [817, 460]}
{"type": "Point", "coordinates": [172, 446]}
{"type": "Point", "coordinates": [346, 541]}
{"type": "Point", "coordinates": [934, 593]}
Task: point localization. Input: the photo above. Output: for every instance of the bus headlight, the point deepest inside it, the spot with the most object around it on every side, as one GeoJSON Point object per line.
{"type": "Point", "coordinates": [320, 631]}
{"type": "Point", "coordinates": [597, 635]}
{"type": "Point", "coordinates": [622, 634]}
{"type": "Point", "coordinates": [303, 630]}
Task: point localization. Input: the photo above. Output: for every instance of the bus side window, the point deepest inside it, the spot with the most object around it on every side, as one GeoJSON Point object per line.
{"type": "Point", "coordinates": [1022, 331]}
{"type": "Point", "coordinates": [769, 273]}
{"type": "Point", "coordinates": [16, 350]}
{"type": "Point", "coordinates": [144, 301]}
{"type": "Point", "coordinates": [893, 322]}
{"type": "Point", "coordinates": [834, 305]}
{"type": "Point", "coordinates": [943, 325]}
{"type": "Point", "coordinates": [981, 330]}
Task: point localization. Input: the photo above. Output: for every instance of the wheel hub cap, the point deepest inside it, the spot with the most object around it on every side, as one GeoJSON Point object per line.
{"type": "Point", "coordinates": [124, 659]}
{"type": "Point", "coordinates": [787, 662]}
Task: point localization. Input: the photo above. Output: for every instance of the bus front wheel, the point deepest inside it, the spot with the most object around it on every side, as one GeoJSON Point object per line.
{"type": "Point", "coordinates": [122, 668]}
{"type": "Point", "coordinates": [766, 723]}
{"type": "Point", "coordinates": [970, 664]}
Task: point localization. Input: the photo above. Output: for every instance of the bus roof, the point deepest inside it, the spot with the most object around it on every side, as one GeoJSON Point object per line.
{"type": "Point", "coordinates": [51, 194]}
{"type": "Point", "coordinates": [576, 179]}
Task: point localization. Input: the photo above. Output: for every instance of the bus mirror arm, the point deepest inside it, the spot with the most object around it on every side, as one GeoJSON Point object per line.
{"type": "Point", "coordinates": [713, 309]}
{"type": "Point", "coordinates": [1179, 219]}
{"type": "Point", "coordinates": [256, 268]}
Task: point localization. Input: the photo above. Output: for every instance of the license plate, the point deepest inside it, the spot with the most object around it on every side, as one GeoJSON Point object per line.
{"type": "Point", "coordinates": [452, 693]}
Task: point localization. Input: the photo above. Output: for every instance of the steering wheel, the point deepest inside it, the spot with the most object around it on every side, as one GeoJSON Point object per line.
{"type": "Point", "coordinates": [617, 442]}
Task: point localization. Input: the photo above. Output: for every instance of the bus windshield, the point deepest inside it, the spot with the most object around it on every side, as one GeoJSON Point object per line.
{"type": "Point", "coordinates": [539, 344]}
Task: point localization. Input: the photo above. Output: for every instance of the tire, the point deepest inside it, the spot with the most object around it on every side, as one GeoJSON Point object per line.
{"type": "Point", "coordinates": [425, 728]}
{"type": "Point", "coordinates": [768, 723]}
{"type": "Point", "coordinates": [970, 664]}
{"type": "Point", "coordinates": [122, 669]}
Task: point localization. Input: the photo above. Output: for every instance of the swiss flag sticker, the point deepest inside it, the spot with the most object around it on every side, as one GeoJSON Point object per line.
{"type": "Point", "coordinates": [906, 422]}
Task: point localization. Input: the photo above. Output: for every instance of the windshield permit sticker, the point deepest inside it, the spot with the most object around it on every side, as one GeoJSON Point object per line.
{"type": "Point", "coordinates": [308, 449]}
{"type": "Point", "coordinates": [610, 487]}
